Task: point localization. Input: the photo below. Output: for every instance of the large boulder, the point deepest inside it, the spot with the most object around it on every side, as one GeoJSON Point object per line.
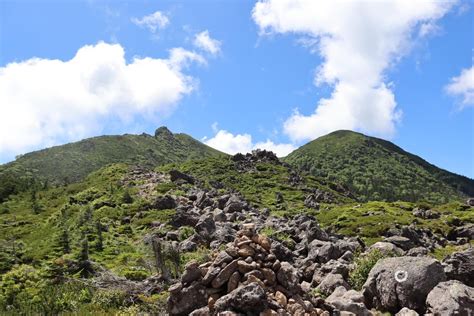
{"type": "Point", "coordinates": [460, 266]}
{"type": "Point", "coordinates": [394, 283]}
{"type": "Point", "coordinates": [184, 300]}
{"type": "Point", "coordinates": [348, 301]}
{"type": "Point", "coordinates": [250, 299]}
{"type": "Point", "coordinates": [451, 298]}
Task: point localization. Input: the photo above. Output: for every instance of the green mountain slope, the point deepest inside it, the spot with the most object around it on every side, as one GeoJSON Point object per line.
{"type": "Point", "coordinates": [375, 169]}
{"type": "Point", "coordinates": [51, 237]}
{"type": "Point", "coordinates": [72, 162]}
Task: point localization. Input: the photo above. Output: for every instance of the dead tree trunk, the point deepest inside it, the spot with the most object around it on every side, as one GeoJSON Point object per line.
{"type": "Point", "coordinates": [160, 259]}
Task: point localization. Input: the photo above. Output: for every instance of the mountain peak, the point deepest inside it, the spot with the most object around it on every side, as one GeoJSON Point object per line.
{"type": "Point", "coordinates": [164, 132]}
{"type": "Point", "coordinates": [376, 169]}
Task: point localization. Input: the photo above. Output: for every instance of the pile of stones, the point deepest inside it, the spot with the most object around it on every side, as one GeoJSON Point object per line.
{"type": "Point", "coordinates": [245, 278]}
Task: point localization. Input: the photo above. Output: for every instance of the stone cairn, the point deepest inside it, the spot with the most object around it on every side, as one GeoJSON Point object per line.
{"type": "Point", "coordinates": [244, 279]}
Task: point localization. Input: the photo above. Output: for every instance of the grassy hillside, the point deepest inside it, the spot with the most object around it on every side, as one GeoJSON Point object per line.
{"type": "Point", "coordinates": [74, 161]}
{"type": "Point", "coordinates": [375, 169]}
{"type": "Point", "coordinates": [45, 234]}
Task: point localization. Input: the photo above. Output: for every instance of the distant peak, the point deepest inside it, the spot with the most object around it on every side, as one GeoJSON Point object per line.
{"type": "Point", "coordinates": [163, 131]}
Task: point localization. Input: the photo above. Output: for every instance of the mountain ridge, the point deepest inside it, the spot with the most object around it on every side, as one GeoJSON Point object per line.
{"type": "Point", "coordinates": [72, 162]}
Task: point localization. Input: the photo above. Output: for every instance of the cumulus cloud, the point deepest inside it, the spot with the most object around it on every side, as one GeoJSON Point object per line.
{"type": "Point", "coordinates": [358, 42]}
{"type": "Point", "coordinates": [153, 22]}
{"type": "Point", "coordinates": [242, 143]}
{"type": "Point", "coordinates": [462, 86]}
{"type": "Point", "coordinates": [205, 42]}
{"type": "Point", "coordinates": [48, 101]}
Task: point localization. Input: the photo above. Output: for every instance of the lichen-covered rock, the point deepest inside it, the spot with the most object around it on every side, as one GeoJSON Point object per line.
{"type": "Point", "coordinates": [451, 298]}
{"type": "Point", "coordinates": [399, 282]}
{"type": "Point", "coordinates": [247, 299]}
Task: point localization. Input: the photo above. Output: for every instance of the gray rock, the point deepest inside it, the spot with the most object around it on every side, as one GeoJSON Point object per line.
{"type": "Point", "coordinates": [331, 282]}
{"type": "Point", "coordinates": [460, 266]}
{"type": "Point", "coordinates": [386, 248]}
{"type": "Point", "coordinates": [182, 302]}
{"type": "Point", "coordinates": [185, 218]}
{"type": "Point", "coordinates": [203, 200]}
{"type": "Point", "coordinates": [425, 214]}
{"type": "Point", "coordinates": [287, 275]}
{"type": "Point", "coordinates": [224, 274]}
{"type": "Point", "coordinates": [203, 311]}
{"type": "Point", "coordinates": [219, 215]}
{"type": "Point", "coordinates": [164, 203]}
{"type": "Point", "coordinates": [234, 204]}
{"type": "Point", "coordinates": [176, 175]}
{"type": "Point", "coordinates": [332, 266]}
{"type": "Point", "coordinates": [206, 226]}
{"type": "Point", "coordinates": [350, 301]}
{"type": "Point", "coordinates": [187, 245]}
{"type": "Point", "coordinates": [281, 251]}
{"type": "Point", "coordinates": [406, 312]}
{"type": "Point", "coordinates": [192, 272]}
{"type": "Point", "coordinates": [222, 257]}
{"type": "Point", "coordinates": [451, 298]}
{"type": "Point", "coordinates": [399, 282]}
{"type": "Point", "coordinates": [401, 242]}
{"type": "Point", "coordinates": [418, 252]}
{"type": "Point", "coordinates": [323, 251]}
{"type": "Point", "coordinates": [466, 231]}
{"type": "Point", "coordinates": [250, 299]}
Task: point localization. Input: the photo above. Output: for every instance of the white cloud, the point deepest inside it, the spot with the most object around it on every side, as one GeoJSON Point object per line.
{"type": "Point", "coordinates": [48, 101]}
{"type": "Point", "coordinates": [153, 22]}
{"type": "Point", "coordinates": [463, 86]}
{"type": "Point", "coordinates": [281, 150]}
{"type": "Point", "coordinates": [358, 41]}
{"type": "Point", "coordinates": [242, 143]}
{"type": "Point", "coordinates": [205, 42]}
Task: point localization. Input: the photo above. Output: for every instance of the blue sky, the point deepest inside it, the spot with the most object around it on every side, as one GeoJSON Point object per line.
{"type": "Point", "coordinates": [262, 74]}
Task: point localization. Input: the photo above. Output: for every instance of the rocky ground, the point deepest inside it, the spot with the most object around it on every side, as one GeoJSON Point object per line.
{"type": "Point", "coordinates": [307, 273]}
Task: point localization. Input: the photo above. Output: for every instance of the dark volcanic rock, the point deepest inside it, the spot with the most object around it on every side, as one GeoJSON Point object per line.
{"type": "Point", "coordinates": [399, 282]}
{"type": "Point", "coordinates": [164, 203]}
{"type": "Point", "coordinates": [176, 175]}
{"type": "Point", "coordinates": [247, 299]}
{"type": "Point", "coordinates": [460, 266]}
{"type": "Point", "coordinates": [183, 301]}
